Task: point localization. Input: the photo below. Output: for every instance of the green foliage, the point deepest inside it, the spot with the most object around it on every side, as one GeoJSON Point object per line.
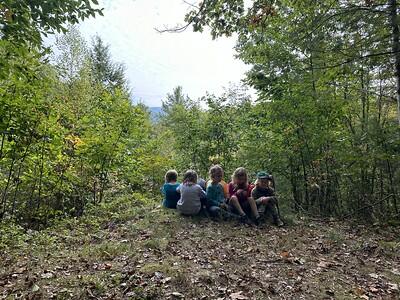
{"type": "Point", "coordinates": [65, 141]}
{"type": "Point", "coordinates": [202, 137]}
{"type": "Point", "coordinates": [325, 120]}
{"type": "Point", "coordinates": [11, 235]}
{"type": "Point", "coordinates": [23, 21]}
{"type": "Point", "coordinates": [104, 71]}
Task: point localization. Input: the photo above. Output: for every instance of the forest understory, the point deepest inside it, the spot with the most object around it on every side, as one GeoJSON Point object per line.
{"type": "Point", "coordinates": [82, 154]}
{"type": "Point", "coordinates": [127, 249]}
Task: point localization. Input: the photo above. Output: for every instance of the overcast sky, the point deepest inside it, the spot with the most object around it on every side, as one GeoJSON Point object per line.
{"type": "Point", "coordinates": [156, 63]}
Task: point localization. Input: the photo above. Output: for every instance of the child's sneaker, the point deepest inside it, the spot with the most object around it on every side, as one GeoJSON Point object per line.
{"type": "Point", "coordinates": [244, 220]}
{"type": "Point", "coordinates": [257, 221]}
{"type": "Point", "coordinates": [279, 223]}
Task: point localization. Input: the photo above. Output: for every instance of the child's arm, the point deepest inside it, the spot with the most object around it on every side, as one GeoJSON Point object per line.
{"type": "Point", "coordinates": [255, 196]}
{"type": "Point", "coordinates": [178, 189]}
{"type": "Point", "coordinates": [202, 193]}
{"type": "Point", "coordinates": [231, 190]}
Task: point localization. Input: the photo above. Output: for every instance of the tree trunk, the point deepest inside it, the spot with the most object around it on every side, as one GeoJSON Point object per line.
{"type": "Point", "coordinates": [4, 197]}
{"type": "Point", "coordinates": [396, 50]}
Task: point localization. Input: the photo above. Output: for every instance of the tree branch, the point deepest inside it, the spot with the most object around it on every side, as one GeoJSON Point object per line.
{"type": "Point", "coordinates": [354, 59]}
{"type": "Point", "coordinates": [179, 29]}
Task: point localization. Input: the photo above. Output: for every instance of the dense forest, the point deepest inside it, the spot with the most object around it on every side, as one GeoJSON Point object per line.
{"type": "Point", "coordinates": [325, 120]}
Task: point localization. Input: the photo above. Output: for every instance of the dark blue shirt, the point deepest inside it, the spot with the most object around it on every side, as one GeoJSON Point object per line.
{"type": "Point", "coordinates": [171, 196]}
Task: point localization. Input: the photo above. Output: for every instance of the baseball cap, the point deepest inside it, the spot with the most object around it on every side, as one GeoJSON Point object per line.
{"type": "Point", "coordinates": [263, 175]}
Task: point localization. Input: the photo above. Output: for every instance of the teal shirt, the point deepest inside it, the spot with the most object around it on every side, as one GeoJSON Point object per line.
{"type": "Point", "coordinates": [215, 194]}
{"type": "Point", "coordinates": [171, 196]}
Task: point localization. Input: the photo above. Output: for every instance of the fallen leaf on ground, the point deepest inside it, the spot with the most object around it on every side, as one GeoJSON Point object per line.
{"type": "Point", "coordinates": [359, 291]}
{"type": "Point", "coordinates": [373, 275]}
{"type": "Point", "coordinates": [300, 261]}
{"type": "Point", "coordinates": [177, 295]}
{"type": "Point", "coordinates": [373, 289]}
{"type": "Point", "coordinates": [35, 288]}
{"type": "Point", "coordinates": [238, 296]}
{"type": "Point", "coordinates": [324, 264]}
{"type": "Point", "coordinates": [395, 272]}
{"type": "Point", "coordinates": [47, 275]}
{"type": "Point", "coordinates": [285, 254]}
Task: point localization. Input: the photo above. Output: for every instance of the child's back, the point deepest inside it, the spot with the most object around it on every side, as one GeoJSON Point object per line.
{"type": "Point", "coordinates": [171, 196]}
{"type": "Point", "coordinates": [190, 200]}
{"type": "Point", "coordinates": [215, 194]}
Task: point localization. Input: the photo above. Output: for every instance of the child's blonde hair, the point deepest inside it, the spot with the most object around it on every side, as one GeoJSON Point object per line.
{"type": "Point", "coordinates": [190, 176]}
{"type": "Point", "coordinates": [239, 172]}
{"type": "Point", "coordinates": [215, 169]}
{"type": "Point", "coordinates": [257, 182]}
{"type": "Point", "coordinates": [171, 175]}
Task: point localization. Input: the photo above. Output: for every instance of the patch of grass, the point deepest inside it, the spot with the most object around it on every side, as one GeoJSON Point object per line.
{"type": "Point", "coordinates": [206, 276]}
{"type": "Point", "coordinates": [93, 281]}
{"type": "Point", "coordinates": [156, 243]}
{"type": "Point", "coordinates": [104, 251]}
{"type": "Point", "coordinates": [335, 237]}
{"type": "Point", "coordinates": [81, 286]}
{"type": "Point", "coordinates": [11, 235]}
{"type": "Point", "coordinates": [142, 294]}
{"type": "Point", "coordinates": [165, 267]}
{"type": "Point", "coordinates": [289, 219]}
{"type": "Point", "coordinates": [178, 273]}
{"type": "Point", "coordinates": [389, 248]}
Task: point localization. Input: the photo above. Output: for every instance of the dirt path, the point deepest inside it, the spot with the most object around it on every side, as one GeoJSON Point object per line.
{"type": "Point", "coordinates": [159, 255]}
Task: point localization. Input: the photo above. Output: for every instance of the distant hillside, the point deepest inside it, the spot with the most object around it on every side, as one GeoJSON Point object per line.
{"type": "Point", "coordinates": [155, 113]}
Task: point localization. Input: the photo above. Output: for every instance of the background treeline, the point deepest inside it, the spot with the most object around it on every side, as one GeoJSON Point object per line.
{"type": "Point", "coordinates": [325, 122]}
{"type": "Point", "coordinates": [68, 129]}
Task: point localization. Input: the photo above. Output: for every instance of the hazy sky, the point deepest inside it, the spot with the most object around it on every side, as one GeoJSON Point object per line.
{"type": "Point", "coordinates": [156, 63]}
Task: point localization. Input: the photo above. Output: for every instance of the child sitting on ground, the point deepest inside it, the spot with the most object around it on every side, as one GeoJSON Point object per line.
{"type": "Point", "coordinates": [265, 198]}
{"type": "Point", "coordinates": [191, 195]}
{"type": "Point", "coordinates": [171, 196]}
{"type": "Point", "coordinates": [201, 182]}
{"type": "Point", "coordinates": [216, 195]}
{"type": "Point", "coordinates": [240, 200]}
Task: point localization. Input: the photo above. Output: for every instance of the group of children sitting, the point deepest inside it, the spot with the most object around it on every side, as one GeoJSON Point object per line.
{"type": "Point", "coordinates": [237, 200]}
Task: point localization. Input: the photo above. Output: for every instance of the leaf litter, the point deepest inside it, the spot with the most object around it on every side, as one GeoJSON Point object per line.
{"type": "Point", "coordinates": [166, 256]}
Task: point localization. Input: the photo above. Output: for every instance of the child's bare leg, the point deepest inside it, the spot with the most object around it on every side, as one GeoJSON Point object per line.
{"type": "Point", "coordinates": [235, 202]}
{"type": "Point", "coordinates": [253, 207]}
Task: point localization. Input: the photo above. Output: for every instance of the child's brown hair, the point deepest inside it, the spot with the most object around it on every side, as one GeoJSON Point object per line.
{"type": "Point", "coordinates": [239, 172]}
{"type": "Point", "coordinates": [190, 176]}
{"type": "Point", "coordinates": [171, 176]}
{"type": "Point", "coordinates": [215, 169]}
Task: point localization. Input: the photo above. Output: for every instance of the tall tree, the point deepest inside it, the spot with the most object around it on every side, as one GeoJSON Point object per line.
{"type": "Point", "coordinates": [104, 70]}
{"type": "Point", "coordinates": [177, 97]}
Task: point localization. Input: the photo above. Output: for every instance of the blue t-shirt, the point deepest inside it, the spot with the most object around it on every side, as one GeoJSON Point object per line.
{"type": "Point", "coordinates": [171, 196]}
{"type": "Point", "coordinates": [215, 194]}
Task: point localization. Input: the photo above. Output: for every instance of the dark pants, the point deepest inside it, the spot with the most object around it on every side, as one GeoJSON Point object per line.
{"type": "Point", "coordinates": [217, 212]}
{"type": "Point", "coordinates": [269, 209]}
